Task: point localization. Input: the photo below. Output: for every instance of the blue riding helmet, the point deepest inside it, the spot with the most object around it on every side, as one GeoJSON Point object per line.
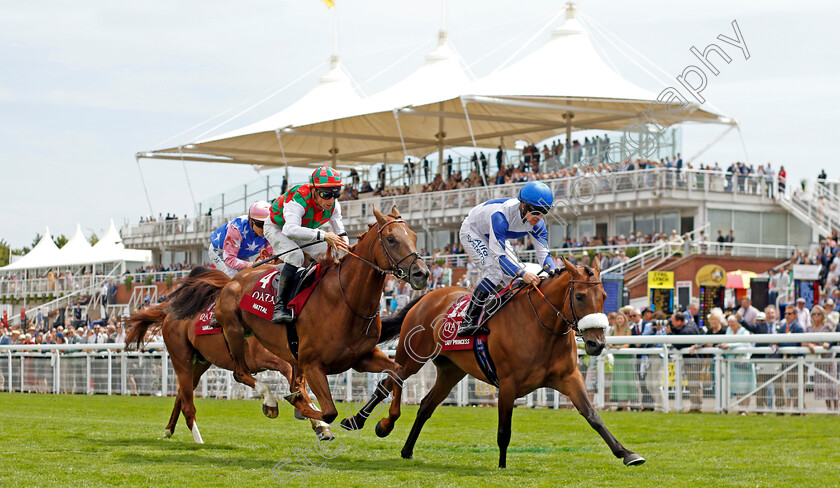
{"type": "Point", "coordinates": [537, 197]}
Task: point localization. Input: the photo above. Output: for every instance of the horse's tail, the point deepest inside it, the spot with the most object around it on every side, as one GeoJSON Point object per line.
{"type": "Point", "coordinates": [196, 291]}
{"type": "Point", "coordinates": [140, 322]}
{"type": "Point", "coordinates": [392, 325]}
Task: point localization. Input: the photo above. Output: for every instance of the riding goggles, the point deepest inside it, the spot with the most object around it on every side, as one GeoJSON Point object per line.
{"type": "Point", "coordinates": [530, 208]}
{"type": "Point", "coordinates": [258, 223]}
{"type": "Point", "coordinates": [328, 193]}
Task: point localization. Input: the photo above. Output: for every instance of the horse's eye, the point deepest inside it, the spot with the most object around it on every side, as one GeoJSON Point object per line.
{"type": "Point", "coordinates": [391, 240]}
{"type": "Point", "coordinates": [580, 296]}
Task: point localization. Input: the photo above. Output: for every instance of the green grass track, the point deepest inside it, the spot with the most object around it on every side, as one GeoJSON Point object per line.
{"type": "Point", "coordinates": [79, 441]}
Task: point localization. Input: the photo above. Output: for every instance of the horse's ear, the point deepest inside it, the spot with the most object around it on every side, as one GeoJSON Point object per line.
{"type": "Point", "coordinates": [569, 266]}
{"type": "Point", "coordinates": [395, 212]}
{"type": "Point", "coordinates": [379, 217]}
{"type": "Point", "coordinates": [596, 263]}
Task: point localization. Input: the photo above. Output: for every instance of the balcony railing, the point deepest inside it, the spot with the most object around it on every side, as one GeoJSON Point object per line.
{"type": "Point", "coordinates": [569, 192]}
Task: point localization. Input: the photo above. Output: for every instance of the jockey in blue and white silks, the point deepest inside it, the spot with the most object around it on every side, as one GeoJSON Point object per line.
{"type": "Point", "coordinates": [484, 234]}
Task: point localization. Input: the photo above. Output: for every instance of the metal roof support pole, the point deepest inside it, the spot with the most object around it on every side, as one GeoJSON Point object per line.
{"type": "Point", "coordinates": [279, 133]}
{"type": "Point", "coordinates": [472, 137]}
{"type": "Point", "coordinates": [568, 116]}
{"type": "Point", "coordinates": [440, 136]}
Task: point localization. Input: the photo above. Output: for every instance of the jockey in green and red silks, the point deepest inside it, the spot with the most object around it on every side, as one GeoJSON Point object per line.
{"type": "Point", "coordinates": [296, 218]}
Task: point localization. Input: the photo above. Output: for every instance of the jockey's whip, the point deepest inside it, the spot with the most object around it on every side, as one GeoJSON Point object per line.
{"type": "Point", "coordinates": [272, 258]}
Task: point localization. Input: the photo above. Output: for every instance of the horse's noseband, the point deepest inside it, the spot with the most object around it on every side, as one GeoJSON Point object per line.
{"type": "Point", "coordinates": [395, 270]}
{"type": "Point", "coordinates": [573, 324]}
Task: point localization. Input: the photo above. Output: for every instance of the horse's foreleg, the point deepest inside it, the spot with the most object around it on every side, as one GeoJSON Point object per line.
{"type": "Point", "coordinates": [375, 362]}
{"type": "Point", "coordinates": [173, 419]}
{"type": "Point", "coordinates": [573, 387]}
{"type": "Point", "coordinates": [447, 377]}
{"type": "Point", "coordinates": [234, 333]}
{"type": "Point", "coordinates": [507, 396]}
{"type": "Point", "coordinates": [320, 386]}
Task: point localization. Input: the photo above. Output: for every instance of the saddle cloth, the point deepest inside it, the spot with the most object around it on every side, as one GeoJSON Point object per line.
{"type": "Point", "coordinates": [260, 301]}
{"type": "Point", "coordinates": [450, 341]}
{"type": "Point", "coordinates": [206, 323]}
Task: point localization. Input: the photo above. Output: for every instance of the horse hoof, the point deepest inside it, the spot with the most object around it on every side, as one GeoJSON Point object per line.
{"type": "Point", "coordinates": [633, 459]}
{"type": "Point", "coordinates": [407, 455]}
{"type": "Point", "coordinates": [324, 433]}
{"type": "Point", "coordinates": [349, 424]}
{"type": "Point", "coordinates": [298, 415]}
{"type": "Point", "coordinates": [381, 431]}
{"type": "Point", "coordinates": [167, 433]}
{"type": "Point", "coordinates": [270, 412]}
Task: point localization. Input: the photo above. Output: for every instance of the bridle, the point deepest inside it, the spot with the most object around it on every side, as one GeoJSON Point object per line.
{"type": "Point", "coordinates": [393, 270]}
{"type": "Point", "coordinates": [572, 324]}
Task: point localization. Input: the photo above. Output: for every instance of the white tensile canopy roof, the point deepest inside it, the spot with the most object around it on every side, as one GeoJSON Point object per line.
{"type": "Point", "coordinates": [78, 252]}
{"type": "Point", "coordinates": [332, 98]}
{"type": "Point", "coordinates": [564, 85]}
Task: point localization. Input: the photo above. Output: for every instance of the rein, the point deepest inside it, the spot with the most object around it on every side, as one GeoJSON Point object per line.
{"type": "Point", "coordinates": [573, 324]}
{"type": "Point", "coordinates": [394, 269]}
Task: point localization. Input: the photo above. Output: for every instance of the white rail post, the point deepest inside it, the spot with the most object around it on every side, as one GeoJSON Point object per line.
{"type": "Point", "coordinates": [57, 373]}
{"type": "Point", "coordinates": [123, 373]}
{"type": "Point", "coordinates": [21, 373]}
{"type": "Point", "coordinates": [348, 385]}
{"type": "Point", "coordinates": [726, 385]}
{"type": "Point", "coordinates": [677, 381]}
{"type": "Point", "coordinates": [164, 373]}
{"type": "Point", "coordinates": [800, 376]}
{"type": "Point", "coordinates": [460, 392]}
{"type": "Point", "coordinates": [110, 373]}
{"type": "Point", "coordinates": [204, 386]}
{"type": "Point", "coordinates": [717, 384]}
{"type": "Point", "coordinates": [11, 381]}
{"type": "Point", "coordinates": [88, 379]}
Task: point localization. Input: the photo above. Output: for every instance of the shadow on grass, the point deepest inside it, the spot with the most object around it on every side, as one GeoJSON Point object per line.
{"type": "Point", "coordinates": [196, 458]}
{"type": "Point", "coordinates": [168, 444]}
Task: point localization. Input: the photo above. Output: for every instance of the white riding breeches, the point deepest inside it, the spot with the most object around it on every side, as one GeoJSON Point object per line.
{"type": "Point", "coordinates": [218, 260]}
{"type": "Point", "coordinates": [281, 243]}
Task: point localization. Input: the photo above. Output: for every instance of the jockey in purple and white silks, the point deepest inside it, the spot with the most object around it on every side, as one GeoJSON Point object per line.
{"type": "Point", "coordinates": [484, 234]}
{"type": "Point", "coordinates": [234, 243]}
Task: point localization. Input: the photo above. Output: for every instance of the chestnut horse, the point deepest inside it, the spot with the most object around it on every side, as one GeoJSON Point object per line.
{"type": "Point", "coordinates": [340, 325]}
{"type": "Point", "coordinates": [531, 345]}
{"type": "Point", "coordinates": [196, 292]}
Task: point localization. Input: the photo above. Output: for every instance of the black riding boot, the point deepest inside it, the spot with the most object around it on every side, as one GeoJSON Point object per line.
{"type": "Point", "coordinates": [470, 325]}
{"type": "Point", "coordinates": [284, 287]}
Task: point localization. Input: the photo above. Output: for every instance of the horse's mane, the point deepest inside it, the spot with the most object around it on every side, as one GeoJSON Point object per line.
{"type": "Point", "coordinates": [362, 235]}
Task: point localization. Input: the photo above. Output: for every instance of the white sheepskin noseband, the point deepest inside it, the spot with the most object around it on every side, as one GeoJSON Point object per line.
{"type": "Point", "coordinates": [593, 321]}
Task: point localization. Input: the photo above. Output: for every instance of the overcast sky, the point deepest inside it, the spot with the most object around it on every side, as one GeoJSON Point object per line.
{"type": "Point", "coordinates": [85, 85]}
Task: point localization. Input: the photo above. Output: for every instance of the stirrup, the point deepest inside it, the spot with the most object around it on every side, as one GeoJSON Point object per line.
{"type": "Point", "coordinates": [282, 314]}
{"type": "Point", "coordinates": [473, 330]}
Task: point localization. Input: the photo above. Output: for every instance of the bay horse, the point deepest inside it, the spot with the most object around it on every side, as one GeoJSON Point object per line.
{"type": "Point", "coordinates": [196, 291]}
{"type": "Point", "coordinates": [340, 326]}
{"type": "Point", "coordinates": [531, 344]}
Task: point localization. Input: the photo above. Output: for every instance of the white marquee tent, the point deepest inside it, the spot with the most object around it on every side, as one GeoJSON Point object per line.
{"type": "Point", "coordinates": [564, 85]}
{"type": "Point", "coordinates": [78, 252]}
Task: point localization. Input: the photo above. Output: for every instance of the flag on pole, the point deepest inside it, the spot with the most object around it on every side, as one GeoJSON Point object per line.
{"type": "Point", "coordinates": [329, 3]}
